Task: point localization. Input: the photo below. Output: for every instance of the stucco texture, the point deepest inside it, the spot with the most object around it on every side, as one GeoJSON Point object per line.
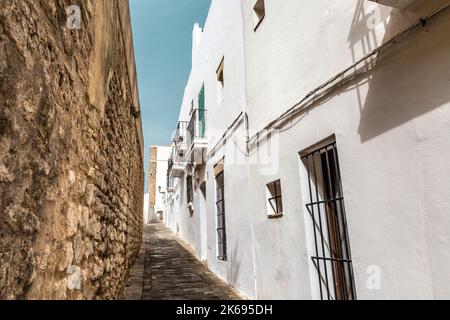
{"type": "Point", "coordinates": [71, 174]}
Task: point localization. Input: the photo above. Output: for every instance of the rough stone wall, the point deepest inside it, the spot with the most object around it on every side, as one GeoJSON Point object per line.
{"type": "Point", "coordinates": [71, 174]}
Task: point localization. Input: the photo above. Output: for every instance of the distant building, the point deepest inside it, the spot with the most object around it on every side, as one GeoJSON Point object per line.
{"type": "Point", "coordinates": [157, 182]}
{"type": "Point", "coordinates": [146, 207]}
{"type": "Point", "coordinates": [311, 157]}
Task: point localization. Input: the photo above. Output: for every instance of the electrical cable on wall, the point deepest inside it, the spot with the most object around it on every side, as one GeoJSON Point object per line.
{"type": "Point", "coordinates": [326, 88]}
{"type": "Point", "coordinates": [307, 101]}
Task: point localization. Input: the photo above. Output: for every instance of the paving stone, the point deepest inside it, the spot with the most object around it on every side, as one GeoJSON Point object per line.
{"type": "Point", "coordinates": [168, 270]}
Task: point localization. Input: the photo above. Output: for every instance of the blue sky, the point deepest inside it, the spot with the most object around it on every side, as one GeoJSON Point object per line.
{"type": "Point", "coordinates": [162, 31]}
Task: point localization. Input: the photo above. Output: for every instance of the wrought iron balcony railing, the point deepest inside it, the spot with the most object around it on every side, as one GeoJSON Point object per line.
{"type": "Point", "coordinates": [197, 126]}
{"type": "Point", "coordinates": [177, 162]}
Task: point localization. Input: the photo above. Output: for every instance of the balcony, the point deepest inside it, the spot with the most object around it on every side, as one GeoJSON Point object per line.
{"type": "Point", "coordinates": [399, 4]}
{"type": "Point", "coordinates": [177, 163]}
{"type": "Point", "coordinates": [180, 138]}
{"type": "Point", "coordinates": [197, 140]}
{"type": "Point", "coordinates": [170, 184]}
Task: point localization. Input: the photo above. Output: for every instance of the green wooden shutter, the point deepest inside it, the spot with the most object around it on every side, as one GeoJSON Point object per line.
{"type": "Point", "coordinates": [202, 112]}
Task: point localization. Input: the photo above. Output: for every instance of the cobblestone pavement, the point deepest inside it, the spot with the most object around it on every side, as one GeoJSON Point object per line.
{"type": "Point", "coordinates": [168, 270]}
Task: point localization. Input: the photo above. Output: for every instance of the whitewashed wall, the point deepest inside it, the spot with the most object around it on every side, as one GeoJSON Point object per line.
{"type": "Point", "coordinates": [392, 128]}
{"type": "Point", "coordinates": [221, 37]}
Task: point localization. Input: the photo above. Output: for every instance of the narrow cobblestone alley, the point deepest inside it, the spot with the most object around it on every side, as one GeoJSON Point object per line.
{"type": "Point", "coordinates": [167, 270]}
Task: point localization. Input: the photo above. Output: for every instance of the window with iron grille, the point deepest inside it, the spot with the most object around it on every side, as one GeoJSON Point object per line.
{"type": "Point", "coordinates": [274, 199]}
{"type": "Point", "coordinates": [220, 211]}
{"type": "Point", "coordinates": [332, 257]}
{"type": "Point", "coordinates": [189, 193]}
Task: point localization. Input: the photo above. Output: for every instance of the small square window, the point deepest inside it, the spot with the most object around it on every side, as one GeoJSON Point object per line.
{"type": "Point", "coordinates": [220, 82]}
{"type": "Point", "coordinates": [220, 73]}
{"type": "Point", "coordinates": [274, 200]}
{"type": "Point", "coordinates": [259, 11]}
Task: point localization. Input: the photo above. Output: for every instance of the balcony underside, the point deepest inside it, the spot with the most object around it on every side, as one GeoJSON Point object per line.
{"type": "Point", "coordinates": [177, 170]}
{"type": "Point", "coordinates": [182, 147]}
{"type": "Point", "coordinates": [196, 150]}
{"type": "Point", "coordinates": [399, 4]}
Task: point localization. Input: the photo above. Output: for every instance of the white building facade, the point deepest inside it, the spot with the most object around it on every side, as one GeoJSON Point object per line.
{"type": "Point", "coordinates": [157, 184]}
{"type": "Point", "coordinates": [311, 159]}
{"type": "Point", "coordinates": [146, 216]}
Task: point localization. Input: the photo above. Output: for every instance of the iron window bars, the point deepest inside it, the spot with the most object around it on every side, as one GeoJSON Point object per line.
{"type": "Point", "coordinates": [221, 227]}
{"type": "Point", "coordinates": [276, 200]}
{"type": "Point", "coordinates": [189, 191]}
{"type": "Point", "coordinates": [332, 258]}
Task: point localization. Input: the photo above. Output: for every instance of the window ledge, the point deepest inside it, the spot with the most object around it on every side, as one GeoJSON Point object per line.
{"type": "Point", "coordinates": [275, 216]}
{"type": "Point", "coordinates": [259, 23]}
